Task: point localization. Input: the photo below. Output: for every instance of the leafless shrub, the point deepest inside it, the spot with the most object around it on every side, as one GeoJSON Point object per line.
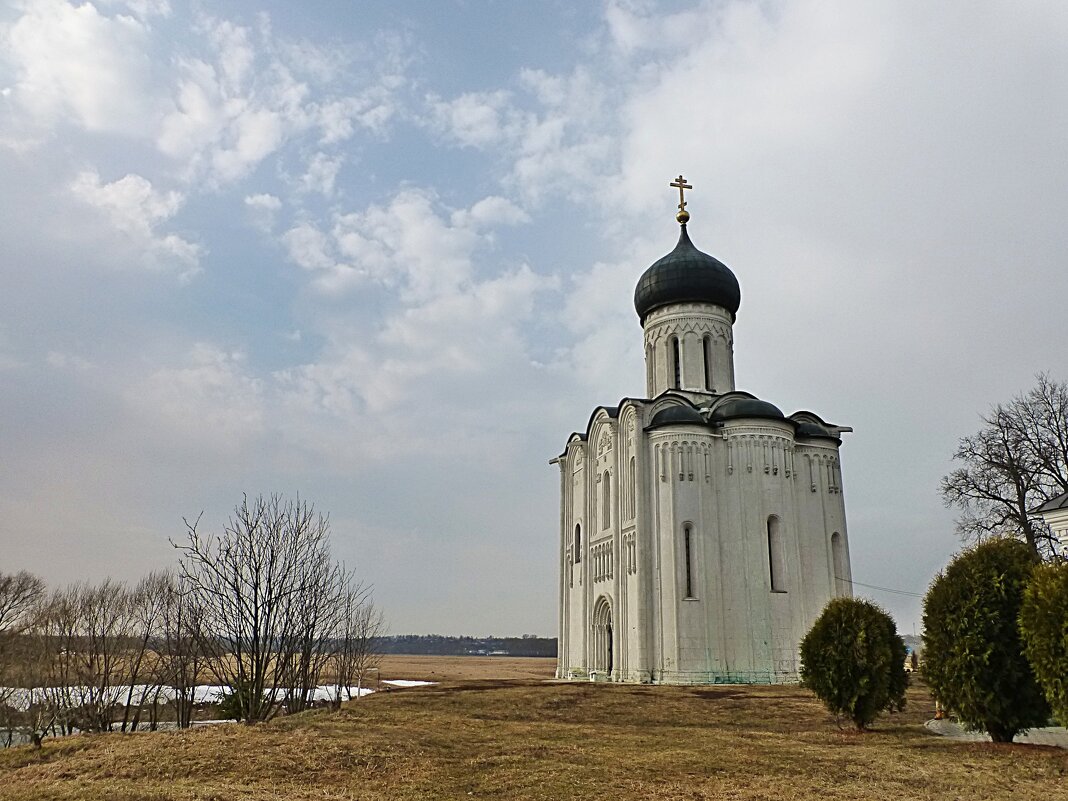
{"type": "Point", "coordinates": [271, 601]}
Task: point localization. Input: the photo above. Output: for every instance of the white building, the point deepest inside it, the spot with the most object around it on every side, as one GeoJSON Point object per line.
{"type": "Point", "coordinates": [1055, 513]}
{"type": "Point", "coordinates": [702, 531]}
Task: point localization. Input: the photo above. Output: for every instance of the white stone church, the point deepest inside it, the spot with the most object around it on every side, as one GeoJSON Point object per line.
{"type": "Point", "coordinates": [702, 531]}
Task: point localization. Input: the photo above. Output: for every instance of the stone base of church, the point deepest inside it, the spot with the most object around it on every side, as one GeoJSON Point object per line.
{"type": "Point", "coordinates": [678, 677]}
{"type": "Point", "coordinates": [729, 677]}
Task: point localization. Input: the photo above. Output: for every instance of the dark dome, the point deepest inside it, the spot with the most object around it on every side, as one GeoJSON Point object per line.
{"type": "Point", "coordinates": [747, 407]}
{"type": "Point", "coordinates": [686, 275]}
{"type": "Point", "coordinates": [677, 414]}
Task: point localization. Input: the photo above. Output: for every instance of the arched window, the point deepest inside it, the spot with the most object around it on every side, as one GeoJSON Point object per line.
{"type": "Point", "coordinates": [707, 347]}
{"type": "Point", "coordinates": [606, 500]}
{"type": "Point", "coordinates": [776, 555]}
{"type": "Point", "coordinates": [676, 363]}
{"type": "Point", "coordinates": [687, 555]}
{"type": "Point", "coordinates": [578, 543]}
{"type": "Point", "coordinates": [632, 500]}
{"type": "Point", "coordinates": [841, 580]}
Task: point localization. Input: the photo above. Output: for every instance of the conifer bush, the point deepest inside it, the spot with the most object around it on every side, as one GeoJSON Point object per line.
{"type": "Point", "coordinates": [854, 661]}
{"type": "Point", "coordinates": [1044, 628]}
{"type": "Point", "coordinates": [973, 653]}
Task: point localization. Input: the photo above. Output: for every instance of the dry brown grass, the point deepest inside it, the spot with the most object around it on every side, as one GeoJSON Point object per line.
{"type": "Point", "coordinates": [528, 739]}
{"type": "Point", "coordinates": [465, 668]}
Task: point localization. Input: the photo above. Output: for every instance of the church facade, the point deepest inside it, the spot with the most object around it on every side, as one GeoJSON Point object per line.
{"type": "Point", "coordinates": [702, 531]}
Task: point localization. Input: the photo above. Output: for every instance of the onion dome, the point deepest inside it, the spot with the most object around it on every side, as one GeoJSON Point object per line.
{"type": "Point", "coordinates": [677, 415]}
{"type": "Point", "coordinates": [733, 408]}
{"type": "Point", "coordinates": [686, 275]}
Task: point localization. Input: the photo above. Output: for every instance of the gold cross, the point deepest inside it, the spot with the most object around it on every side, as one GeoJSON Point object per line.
{"type": "Point", "coordinates": [680, 182]}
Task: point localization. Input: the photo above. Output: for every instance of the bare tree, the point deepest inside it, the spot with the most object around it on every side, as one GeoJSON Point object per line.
{"type": "Point", "coordinates": [253, 585]}
{"type": "Point", "coordinates": [31, 713]}
{"type": "Point", "coordinates": [21, 600]}
{"type": "Point", "coordinates": [181, 649]}
{"type": "Point", "coordinates": [143, 679]}
{"type": "Point", "coordinates": [358, 649]}
{"type": "Point", "coordinates": [317, 614]}
{"type": "Point", "coordinates": [1015, 462]}
{"type": "Point", "coordinates": [20, 596]}
{"type": "Point", "coordinates": [89, 628]}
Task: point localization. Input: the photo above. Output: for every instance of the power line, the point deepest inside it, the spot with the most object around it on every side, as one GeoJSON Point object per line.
{"type": "Point", "coordinates": [881, 589]}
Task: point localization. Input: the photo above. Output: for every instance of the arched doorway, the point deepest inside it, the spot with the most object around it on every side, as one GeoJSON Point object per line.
{"type": "Point", "coordinates": [602, 636]}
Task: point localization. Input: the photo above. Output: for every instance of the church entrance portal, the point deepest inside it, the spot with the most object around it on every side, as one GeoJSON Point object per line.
{"type": "Point", "coordinates": [602, 637]}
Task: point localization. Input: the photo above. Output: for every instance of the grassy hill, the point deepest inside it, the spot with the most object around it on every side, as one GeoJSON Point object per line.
{"type": "Point", "coordinates": [528, 739]}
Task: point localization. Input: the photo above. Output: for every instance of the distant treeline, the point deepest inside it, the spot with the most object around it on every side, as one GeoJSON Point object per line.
{"type": "Point", "coordinates": [527, 645]}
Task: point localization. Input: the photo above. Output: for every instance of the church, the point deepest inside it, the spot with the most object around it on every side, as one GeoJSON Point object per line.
{"type": "Point", "coordinates": [702, 530]}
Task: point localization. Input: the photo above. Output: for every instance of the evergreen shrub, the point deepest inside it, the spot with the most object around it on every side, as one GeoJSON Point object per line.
{"type": "Point", "coordinates": [854, 661]}
{"type": "Point", "coordinates": [1044, 629]}
{"type": "Point", "coordinates": [973, 654]}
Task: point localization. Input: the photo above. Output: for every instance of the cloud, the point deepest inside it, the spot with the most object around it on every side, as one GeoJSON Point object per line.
{"type": "Point", "coordinates": [209, 400]}
{"type": "Point", "coordinates": [641, 26]}
{"type": "Point", "coordinates": [73, 61]}
{"type": "Point", "coordinates": [407, 245]}
{"type": "Point", "coordinates": [142, 9]}
{"type": "Point", "coordinates": [308, 247]}
{"type": "Point", "coordinates": [489, 211]}
{"type": "Point", "coordinates": [262, 209]}
{"type": "Point", "coordinates": [321, 174]}
{"type": "Point", "coordinates": [254, 93]}
{"type": "Point", "coordinates": [136, 209]}
{"type": "Point", "coordinates": [476, 119]}
{"type": "Point", "coordinates": [437, 354]}
{"type": "Point", "coordinates": [445, 319]}
{"type": "Point", "coordinates": [555, 132]}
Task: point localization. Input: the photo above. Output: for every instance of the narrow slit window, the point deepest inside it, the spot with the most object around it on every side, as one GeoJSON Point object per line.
{"type": "Point", "coordinates": [578, 543]}
{"type": "Point", "coordinates": [707, 342]}
{"type": "Point", "coordinates": [687, 544]}
{"type": "Point", "coordinates": [676, 363]}
{"type": "Point", "coordinates": [841, 580]}
{"type": "Point", "coordinates": [631, 501]}
{"type": "Point", "coordinates": [776, 555]}
{"type": "Point", "coordinates": [606, 500]}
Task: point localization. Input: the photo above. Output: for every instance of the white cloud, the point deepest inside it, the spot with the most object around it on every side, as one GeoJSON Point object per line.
{"type": "Point", "coordinates": [262, 209]}
{"type": "Point", "coordinates": [641, 26]}
{"type": "Point", "coordinates": [210, 400]}
{"type": "Point", "coordinates": [309, 247]}
{"type": "Point", "coordinates": [233, 109]}
{"type": "Point", "coordinates": [252, 135]}
{"type": "Point", "coordinates": [407, 244]}
{"type": "Point", "coordinates": [143, 9]}
{"type": "Point", "coordinates": [264, 201]}
{"type": "Point", "coordinates": [321, 174]}
{"type": "Point", "coordinates": [136, 209]}
{"type": "Point", "coordinates": [556, 135]}
{"type": "Point", "coordinates": [235, 53]}
{"type": "Point", "coordinates": [436, 354]}
{"type": "Point", "coordinates": [74, 61]}
{"type": "Point", "coordinates": [476, 119]}
{"type": "Point", "coordinates": [489, 211]}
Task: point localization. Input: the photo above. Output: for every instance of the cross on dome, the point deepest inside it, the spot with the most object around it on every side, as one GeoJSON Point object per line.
{"type": "Point", "coordinates": [680, 183]}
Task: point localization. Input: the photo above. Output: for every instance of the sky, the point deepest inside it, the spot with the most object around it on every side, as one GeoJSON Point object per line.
{"type": "Point", "coordinates": [382, 256]}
